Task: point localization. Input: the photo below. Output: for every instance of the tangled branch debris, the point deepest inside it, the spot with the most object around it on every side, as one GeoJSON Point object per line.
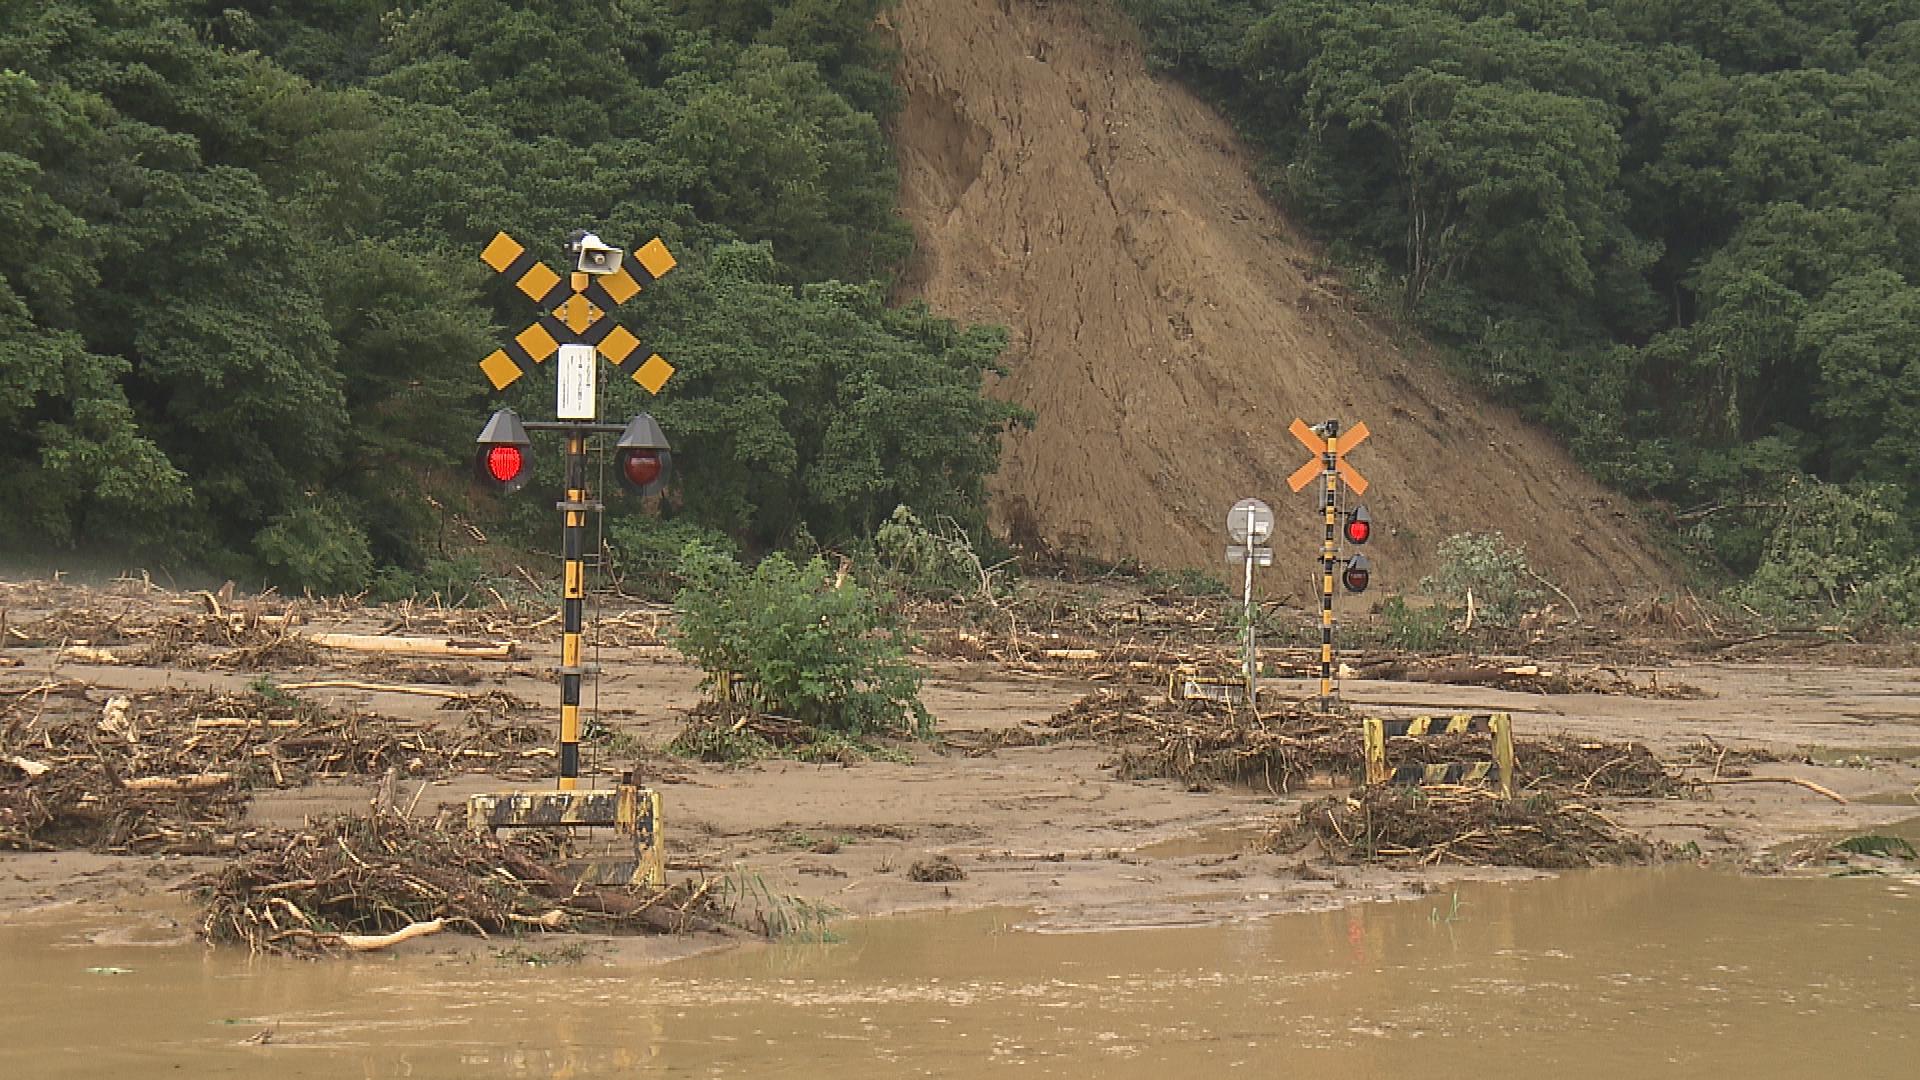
{"type": "Point", "coordinates": [1201, 744]}
{"type": "Point", "coordinates": [356, 882]}
{"type": "Point", "coordinates": [172, 771]}
{"type": "Point", "coordinates": [1464, 826]}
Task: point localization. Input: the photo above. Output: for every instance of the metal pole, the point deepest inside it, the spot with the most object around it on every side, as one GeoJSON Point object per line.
{"type": "Point", "coordinates": [1329, 556]}
{"type": "Point", "coordinates": [1247, 611]}
{"type": "Point", "coordinates": [572, 608]}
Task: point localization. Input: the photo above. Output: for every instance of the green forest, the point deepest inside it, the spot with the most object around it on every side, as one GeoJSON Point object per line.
{"type": "Point", "coordinates": [241, 307]}
{"type": "Point", "coordinates": [1684, 234]}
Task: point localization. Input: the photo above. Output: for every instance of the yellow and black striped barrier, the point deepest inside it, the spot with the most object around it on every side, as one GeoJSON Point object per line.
{"type": "Point", "coordinates": [1498, 725]}
{"type": "Point", "coordinates": [633, 811]}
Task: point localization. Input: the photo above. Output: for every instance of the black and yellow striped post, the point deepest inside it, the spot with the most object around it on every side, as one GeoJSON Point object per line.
{"type": "Point", "coordinates": [1377, 730]}
{"type": "Point", "coordinates": [573, 606]}
{"type": "Point", "coordinates": [1329, 557]}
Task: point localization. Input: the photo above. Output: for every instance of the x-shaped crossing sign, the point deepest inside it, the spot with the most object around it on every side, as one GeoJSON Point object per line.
{"type": "Point", "coordinates": [1320, 445]}
{"type": "Point", "coordinates": [573, 311]}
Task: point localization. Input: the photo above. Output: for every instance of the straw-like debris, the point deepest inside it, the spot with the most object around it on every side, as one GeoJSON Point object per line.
{"type": "Point", "coordinates": [1203, 744]}
{"type": "Point", "coordinates": [364, 882]}
{"type": "Point", "coordinates": [172, 771]}
{"type": "Point", "coordinates": [1583, 766]}
{"type": "Point", "coordinates": [1463, 826]}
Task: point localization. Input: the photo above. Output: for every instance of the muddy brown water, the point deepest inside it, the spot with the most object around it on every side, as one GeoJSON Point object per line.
{"type": "Point", "coordinates": [1673, 971]}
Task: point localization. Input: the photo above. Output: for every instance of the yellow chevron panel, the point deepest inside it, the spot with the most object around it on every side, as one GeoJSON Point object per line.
{"type": "Point", "coordinates": [500, 370]}
{"type": "Point", "coordinates": [656, 258]}
{"type": "Point", "coordinates": [618, 345]}
{"type": "Point", "coordinates": [538, 343]}
{"type": "Point", "coordinates": [620, 285]}
{"type": "Point", "coordinates": [578, 313]}
{"type": "Point", "coordinates": [538, 281]}
{"type": "Point", "coordinates": [653, 374]}
{"type": "Point", "coordinates": [501, 252]}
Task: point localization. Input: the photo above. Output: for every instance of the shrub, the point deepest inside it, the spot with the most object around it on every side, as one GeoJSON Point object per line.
{"type": "Point", "coordinates": [822, 652]}
{"type": "Point", "coordinates": [319, 546]}
{"type": "Point", "coordinates": [1489, 568]}
{"type": "Point", "coordinates": [1836, 552]}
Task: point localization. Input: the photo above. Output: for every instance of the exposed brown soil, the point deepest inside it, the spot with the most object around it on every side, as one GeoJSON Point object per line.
{"type": "Point", "coordinates": [1168, 323]}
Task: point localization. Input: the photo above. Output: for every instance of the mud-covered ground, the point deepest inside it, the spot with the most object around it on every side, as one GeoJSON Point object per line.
{"type": "Point", "coordinates": [1061, 780]}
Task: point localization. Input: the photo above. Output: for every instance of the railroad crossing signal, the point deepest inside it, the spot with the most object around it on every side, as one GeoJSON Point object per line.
{"type": "Point", "coordinates": [1329, 446]}
{"type": "Point", "coordinates": [1319, 445]}
{"type": "Point", "coordinates": [573, 310]}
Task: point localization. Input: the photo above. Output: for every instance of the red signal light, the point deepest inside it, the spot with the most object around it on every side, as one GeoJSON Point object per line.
{"type": "Point", "coordinates": [504, 463]}
{"type": "Point", "coordinates": [640, 468]}
{"type": "Point", "coordinates": [504, 460]}
{"type": "Point", "coordinates": [1358, 574]}
{"type": "Point", "coordinates": [642, 458]}
{"type": "Point", "coordinates": [1359, 527]}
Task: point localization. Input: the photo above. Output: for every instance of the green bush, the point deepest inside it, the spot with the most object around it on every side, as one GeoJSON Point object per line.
{"type": "Point", "coordinates": [648, 552]}
{"type": "Point", "coordinates": [931, 563]}
{"type": "Point", "coordinates": [319, 546]}
{"type": "Point", "coordinates": [827, 655]}
{"type": "Point", "coordinates": [1834, 552]}
{"type": "Point", "coordinates": [1489, 568]}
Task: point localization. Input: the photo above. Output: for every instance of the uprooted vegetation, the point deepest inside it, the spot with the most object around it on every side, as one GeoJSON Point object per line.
{"type": "Point", "coordinates": [364, 882]}
{"type": "Point", "coordinates": [1201, 744]}
{"type": "Point", "coordinates": [1546, 825]}
{"type": "Point", "coordinates": [172, 771]}
{"type": "Point", "coordinates": [1463, 826]}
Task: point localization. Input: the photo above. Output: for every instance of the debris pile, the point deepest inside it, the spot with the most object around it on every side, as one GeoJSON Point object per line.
{"type": "Point", "coordinates": [1462, 826]}
{"type": "Point", "coordinates": [1202, 744]}
{"type": "Point", "coordinates": [359, 883]}
{"type": "Point", "coordinates": [171, 771]}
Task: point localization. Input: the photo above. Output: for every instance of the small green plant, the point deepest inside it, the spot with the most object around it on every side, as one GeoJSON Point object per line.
{"type": "Point", "coordinates": [751, 903]}
{"type": "Point", "coordinates": [1420, 629]}
{"type": "Point", "coordinates": [1186, 581]}
{"type": "Point", "coordinates": [825, 652]}
{"type": "Point", "coordinates": [572, 952]}
{"type": "Point", "coordinates": [1452, 914]}
{"type": "Point", "coordinates": [1887, 847]}
{"type": "Point", "coordinates": [720, 746]}
{"type": "Point", "coordinates": [269, 691]}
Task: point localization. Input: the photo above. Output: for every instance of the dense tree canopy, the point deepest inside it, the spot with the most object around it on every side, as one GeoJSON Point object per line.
{"type": "Point", "coordinates": [1686, 234]}
{"type": "Point", "coordinates": [241, 307]}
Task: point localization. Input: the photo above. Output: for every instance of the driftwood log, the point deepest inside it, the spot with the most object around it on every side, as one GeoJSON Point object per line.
{"type": "Point", "coordinates": [416, 646]}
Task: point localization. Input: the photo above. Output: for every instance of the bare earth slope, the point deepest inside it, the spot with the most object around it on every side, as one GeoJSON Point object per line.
{"type": "Point", "coordinates": [1168, 324]}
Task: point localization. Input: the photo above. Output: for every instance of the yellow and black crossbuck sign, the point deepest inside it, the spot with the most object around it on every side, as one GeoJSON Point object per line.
{"type": "Point", "coordinates": [573, 311]}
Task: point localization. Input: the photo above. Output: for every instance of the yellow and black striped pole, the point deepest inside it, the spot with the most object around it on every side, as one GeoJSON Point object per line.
{"type": "Point", "coordinates": [1329, 558]}
{"type": "Point", "coordinates": [573, 607]}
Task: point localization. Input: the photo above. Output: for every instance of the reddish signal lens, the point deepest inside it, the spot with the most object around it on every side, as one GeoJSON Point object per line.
{"type": "Point", "coordinates": [1358, 574]}
{"type": "Point", "coordinates": [504, 463]}
{"type": "Point", "coordinates": [1359, 527]}
{"type": "Point", "coordinates": [640, 468]}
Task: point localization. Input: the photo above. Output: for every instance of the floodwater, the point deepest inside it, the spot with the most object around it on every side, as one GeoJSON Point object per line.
{"type": "Point", "coordinates": [1673, 971]}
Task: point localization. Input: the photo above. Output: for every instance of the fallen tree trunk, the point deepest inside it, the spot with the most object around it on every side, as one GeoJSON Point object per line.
{"type": "Point", "coordinates": [199, 782]}
{"type": "Point", "coordinates": [416, 646]}
{"type": "Point", "coordinates": [370, 942]}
